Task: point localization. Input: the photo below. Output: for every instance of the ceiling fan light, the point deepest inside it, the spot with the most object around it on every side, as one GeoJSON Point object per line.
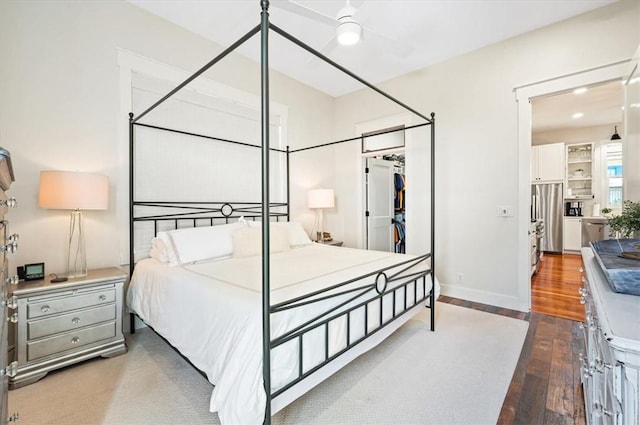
{"type": "Point", "coordinates": [348, 32]}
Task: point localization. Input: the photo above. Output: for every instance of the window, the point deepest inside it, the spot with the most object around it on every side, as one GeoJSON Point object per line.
{"type": "Point", "coordinates": [388, 138]}
{"type": "Point", "coordinates": [612, 159]}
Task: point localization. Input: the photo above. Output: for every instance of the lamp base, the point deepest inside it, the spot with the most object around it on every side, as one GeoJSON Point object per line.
{"type": "Point", "coordinates": [77, 259]}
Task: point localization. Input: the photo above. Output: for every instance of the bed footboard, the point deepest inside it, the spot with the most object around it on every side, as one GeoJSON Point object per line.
{"type": "Point", "coordinates": [360, 308]}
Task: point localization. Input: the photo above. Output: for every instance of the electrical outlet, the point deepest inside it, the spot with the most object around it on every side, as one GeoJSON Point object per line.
{"type": "Point", "coordinates": [459, 278]}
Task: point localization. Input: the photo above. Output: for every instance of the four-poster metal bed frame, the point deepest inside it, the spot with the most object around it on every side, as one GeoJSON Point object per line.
{"type": "Point", "coordinates": [196, 212]}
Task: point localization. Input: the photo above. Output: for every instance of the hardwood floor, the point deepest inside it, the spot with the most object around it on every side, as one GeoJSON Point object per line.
{"type": "Point", "coordinates": [545, 387]}
{"type": "Point", "coordinates": [554, 288]}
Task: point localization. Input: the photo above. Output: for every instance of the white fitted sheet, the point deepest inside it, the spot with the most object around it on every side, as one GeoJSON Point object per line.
{"type": "Point", "coordinates": [211, 312]}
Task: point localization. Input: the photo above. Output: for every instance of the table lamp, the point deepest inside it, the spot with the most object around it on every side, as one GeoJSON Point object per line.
{"type": "Point", "coordinates": [67, 190]}
{"type": "Point", "coordinates": [319, 199]}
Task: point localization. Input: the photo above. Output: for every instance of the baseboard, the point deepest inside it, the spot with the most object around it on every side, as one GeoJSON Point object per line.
{"type": "Point", "coordinates": [483, 297]}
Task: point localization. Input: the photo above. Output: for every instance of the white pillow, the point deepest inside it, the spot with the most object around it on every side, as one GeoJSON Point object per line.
{"type": "Point", "coordinates": [247, 242]}
{"type": "Point", "coordinates": [297, 235]}
{"type": "Point", "coordinates": [163, 248]}
{"type": "Point", "coordinates": [203, 243]}
{"type": "Point", "coordinates": [158, 255]}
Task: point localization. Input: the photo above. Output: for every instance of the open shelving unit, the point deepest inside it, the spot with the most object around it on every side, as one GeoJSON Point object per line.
{"type": "Point", "coordinates": [579, 171]}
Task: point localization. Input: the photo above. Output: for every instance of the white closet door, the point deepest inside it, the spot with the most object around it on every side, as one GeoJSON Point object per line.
{"type": "Point", "coordinates": [380, 191]}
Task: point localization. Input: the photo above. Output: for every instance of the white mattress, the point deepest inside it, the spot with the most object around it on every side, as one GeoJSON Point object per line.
{"type": "Point", "coordinates": [211, 312]}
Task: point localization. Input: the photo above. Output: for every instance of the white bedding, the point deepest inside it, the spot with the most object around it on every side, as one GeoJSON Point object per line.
{"type": "Point", "coordinates": [211, 312]}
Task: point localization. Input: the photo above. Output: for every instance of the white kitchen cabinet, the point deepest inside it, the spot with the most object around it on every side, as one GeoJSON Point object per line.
{"type": "Point", "coordinates": [579, 171]}
{"type": "Point", "coordinates": [572, 234]}
{"type": "Point", "coordinates": [547, 163]}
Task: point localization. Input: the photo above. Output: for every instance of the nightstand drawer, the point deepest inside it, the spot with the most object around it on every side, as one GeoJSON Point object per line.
{"type": "Point", "coordinates": [55, 305]}
{"type": "Point", "coordinates": [70, 340]}
{"type": "Point", "coordinates": [66, 322]}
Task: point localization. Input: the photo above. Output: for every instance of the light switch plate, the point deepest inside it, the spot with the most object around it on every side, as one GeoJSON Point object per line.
{"type": "Point", "coordinates": [504, 211]}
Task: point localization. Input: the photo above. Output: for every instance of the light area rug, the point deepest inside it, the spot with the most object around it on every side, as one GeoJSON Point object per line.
{"type": "Point", "coordinates": [457, 375]}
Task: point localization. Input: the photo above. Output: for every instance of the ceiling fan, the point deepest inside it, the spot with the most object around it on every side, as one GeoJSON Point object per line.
{"type": "Point", "coordinates": [348, 29]}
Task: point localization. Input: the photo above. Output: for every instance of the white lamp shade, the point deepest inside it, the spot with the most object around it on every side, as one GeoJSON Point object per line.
{"type": "Point", "coordinates": [67, 190]}
{"type": "Point", "coordinates": [320, 198]}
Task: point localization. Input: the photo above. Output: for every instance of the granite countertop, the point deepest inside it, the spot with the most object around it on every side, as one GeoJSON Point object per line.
{"type": "Point", "coordinates": [623, 274]}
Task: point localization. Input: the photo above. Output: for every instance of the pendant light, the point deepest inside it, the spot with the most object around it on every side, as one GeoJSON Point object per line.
{"type": "Point", "coordinates": [615, 136]}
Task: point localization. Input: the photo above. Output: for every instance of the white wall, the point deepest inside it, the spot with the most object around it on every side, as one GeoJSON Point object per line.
{"type": "Point", "coordinates": [631, 137]}
{"type": "Point", "coordinates": [60, 109]}
{"type": "Point", "coordinates": [477, 139]}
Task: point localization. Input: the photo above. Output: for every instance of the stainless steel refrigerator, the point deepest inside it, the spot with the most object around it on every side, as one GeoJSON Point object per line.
{"type": "Point", "coordinates": [547, 205]}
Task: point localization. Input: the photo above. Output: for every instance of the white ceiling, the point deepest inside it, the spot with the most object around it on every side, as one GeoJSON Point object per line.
{"type": "Point", "coordinates": [600, 105]}
{"type": "Point", "coordinates": [399, 36]}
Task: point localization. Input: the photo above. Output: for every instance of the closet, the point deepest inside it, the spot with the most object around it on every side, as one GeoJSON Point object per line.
{"type": "Point", "coordinates": [385, 203]}
{"type": "Point", "coordinates": [399, 197]}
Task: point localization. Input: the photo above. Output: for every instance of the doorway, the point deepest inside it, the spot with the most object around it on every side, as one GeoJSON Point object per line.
{"type": "Point", "coordinates": [385, 224]}
{"type": "Point", "coordinates": [573, 129]}
{"type": "Point", "coordinates": [524, 95]}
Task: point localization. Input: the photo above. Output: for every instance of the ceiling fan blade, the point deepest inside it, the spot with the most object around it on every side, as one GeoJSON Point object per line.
{"type": "Point", "coordinates": [302, 10]}
{"type": "Point", "coordinates": [326, 50]}
{"type": "Point", "coordinates": [396, 47]}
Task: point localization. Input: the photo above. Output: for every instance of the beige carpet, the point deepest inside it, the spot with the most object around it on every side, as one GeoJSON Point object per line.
{"type": "Point", "coordinates": [457, 375]}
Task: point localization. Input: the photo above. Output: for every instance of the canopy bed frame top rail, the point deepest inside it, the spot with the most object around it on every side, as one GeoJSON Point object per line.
{"type": "Point", "coordinates": [266, 210]}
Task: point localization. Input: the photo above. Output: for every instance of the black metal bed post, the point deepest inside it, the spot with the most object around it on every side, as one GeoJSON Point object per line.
{"type": "Point", "coordinates": [288, 188]}
{"type": "Point", "coordinates": [432, 300]}
{"type": "Point", "coordinates": [266, 319]}
{"type": "Point", "coordinates": [132, 328]}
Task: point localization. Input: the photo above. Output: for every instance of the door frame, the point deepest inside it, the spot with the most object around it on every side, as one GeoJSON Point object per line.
{"type": "Point", "coordinates": [523, 96]}
{"type": "Point", "coordinates": [405, 119]}
{"type": "Point", "coordinates": [367, 187]}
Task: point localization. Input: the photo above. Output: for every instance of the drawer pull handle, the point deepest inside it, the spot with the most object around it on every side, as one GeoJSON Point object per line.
{"type": "Point", "coordinates": [11, 247]}
{"type": "Point", "coordinates": [11, 202]}
{"type": "Point", "coordinates": [11, 302]}
{"type": "Point", "coordinates": [45, 308]}
{"type": "Point", "coordinates": [10, 370]}
{"type": "Point", "coordinates": [75, 340]}
{"type": "Point", "coordinates": [75, 320]}
{"type": "Point", "coordinates": [102, 297]}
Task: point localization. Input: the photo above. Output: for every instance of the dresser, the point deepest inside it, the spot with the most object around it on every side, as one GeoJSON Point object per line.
{"type": "Point", "coordinates": [61, 323]}
{"type": "Point", "coordinates": [611, 363]}
{"type": "Point", "coordinates": [8, 246]}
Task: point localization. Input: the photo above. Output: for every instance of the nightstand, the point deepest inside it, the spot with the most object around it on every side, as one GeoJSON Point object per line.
{"type": "Point", "coordinates": [59, 324]}
{"type": "Point", "coordinates": [332, 243]}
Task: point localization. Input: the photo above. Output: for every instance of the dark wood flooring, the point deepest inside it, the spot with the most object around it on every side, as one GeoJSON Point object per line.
{"type": "Point", "coordinates": [545, 387]}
